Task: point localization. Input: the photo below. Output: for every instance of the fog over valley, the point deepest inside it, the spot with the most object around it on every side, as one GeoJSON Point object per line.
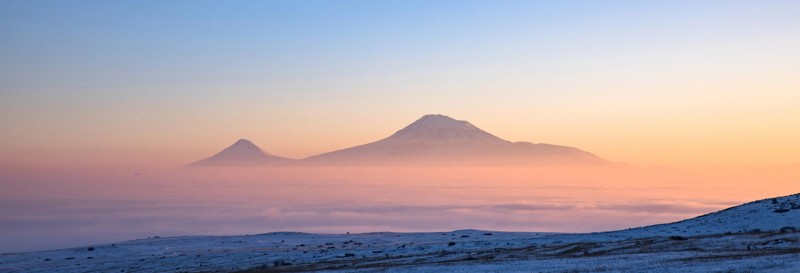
{"type": "Point", "coordinates": [61, 209]}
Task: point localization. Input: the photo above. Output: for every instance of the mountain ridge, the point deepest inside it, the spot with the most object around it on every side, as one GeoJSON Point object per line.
{"type": "Point", "coordinates": [431, 139]}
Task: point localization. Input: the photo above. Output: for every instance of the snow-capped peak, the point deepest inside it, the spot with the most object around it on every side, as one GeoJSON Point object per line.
{"type": "Point", "coordinates": [441, 127]}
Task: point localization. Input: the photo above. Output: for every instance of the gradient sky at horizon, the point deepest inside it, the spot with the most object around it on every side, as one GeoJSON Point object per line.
{"type": "Point", "coordinates": [154, 84]}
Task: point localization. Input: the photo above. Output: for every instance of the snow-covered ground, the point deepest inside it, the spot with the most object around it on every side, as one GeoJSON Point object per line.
{"type": "Point", "coordinates": [761, 236]}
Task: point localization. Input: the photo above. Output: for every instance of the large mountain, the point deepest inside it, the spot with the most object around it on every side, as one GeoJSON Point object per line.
{"type": "Point", "coordinates": [241, 153]}
{"type": "Point", "coordinates": [441, 139]}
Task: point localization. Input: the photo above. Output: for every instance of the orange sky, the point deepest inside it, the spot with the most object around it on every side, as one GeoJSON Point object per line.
{"type": "Point", "coordinates": [686, 129]}
{"type": "Point", "coordinates": [673, 83]}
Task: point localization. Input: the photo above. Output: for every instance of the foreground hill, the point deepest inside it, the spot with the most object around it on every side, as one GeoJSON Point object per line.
{"type": "Point", "coordinates": [771, 214]}
{"type": "Point", "coordinates": [756, 237]}
{"type": "Point", "coordinates": [441, 139]}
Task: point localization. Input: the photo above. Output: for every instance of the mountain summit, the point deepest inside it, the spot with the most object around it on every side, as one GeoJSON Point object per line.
{"type": "Point", "coordinates": [242, 148]}
{"type": "Point", "coordinates": [441, 139]}
{"type": "Point", "coordinates": [241, 153]}
{"type": "Point", "coordinates": [442, 128]}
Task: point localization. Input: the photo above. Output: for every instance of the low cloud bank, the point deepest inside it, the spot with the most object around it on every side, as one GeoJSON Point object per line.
{"type": "Point", "coordinates": [56, 211]}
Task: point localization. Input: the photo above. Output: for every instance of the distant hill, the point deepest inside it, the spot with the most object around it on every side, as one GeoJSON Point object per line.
{"type": "Point", "coordinates": [441, 139]}
{"type": "Point", "coordinates": [241, 153]}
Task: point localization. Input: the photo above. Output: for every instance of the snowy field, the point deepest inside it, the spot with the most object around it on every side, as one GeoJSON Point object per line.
{"type": "Point", "coordinates": [760, 236]}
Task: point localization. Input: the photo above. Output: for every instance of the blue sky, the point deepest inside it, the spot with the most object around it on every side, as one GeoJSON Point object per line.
{"type": "Point", "coordinates": [94, 45]}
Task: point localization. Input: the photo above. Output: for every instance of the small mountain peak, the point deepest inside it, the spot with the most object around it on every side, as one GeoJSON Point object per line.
{"type": "Point", "coordinates": [243, 142]}
{"type": "Point", "coordinates": [242, 152]}
{"type": "Point", "coordinates": [243, 147]}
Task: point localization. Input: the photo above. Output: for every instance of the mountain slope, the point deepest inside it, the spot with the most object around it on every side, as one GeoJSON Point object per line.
{"type": "Point", "coordinates": [770, 214]}
{"type": "Point", "coordinates": [241, 153]}
{"type": "Point", "coordinates": [439, 138]}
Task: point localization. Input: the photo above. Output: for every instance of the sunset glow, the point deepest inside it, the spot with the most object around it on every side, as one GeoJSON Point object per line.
{"type": "Point", "coordinates": [122, 120]}
{"type": "Point", "coordinates": [117, 84]}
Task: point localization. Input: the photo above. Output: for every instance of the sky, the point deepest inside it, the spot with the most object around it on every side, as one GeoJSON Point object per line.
{"type": "Point", "coordinates": [149, 86]}
{"type": "Point", "coordinates": [158, 84]}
